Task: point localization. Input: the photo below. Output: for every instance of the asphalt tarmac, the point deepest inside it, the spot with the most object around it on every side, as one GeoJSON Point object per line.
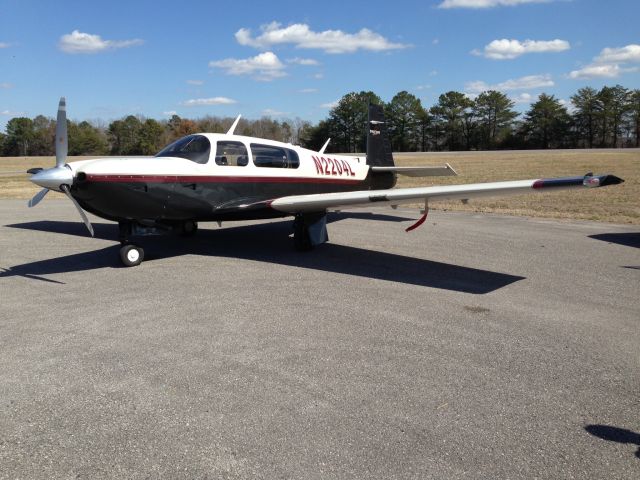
{"type": "Point", "coordinates": [478, 346]}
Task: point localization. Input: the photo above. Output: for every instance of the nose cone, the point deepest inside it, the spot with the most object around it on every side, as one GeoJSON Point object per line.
{"type": "Point", "coordinates": [52, 178]}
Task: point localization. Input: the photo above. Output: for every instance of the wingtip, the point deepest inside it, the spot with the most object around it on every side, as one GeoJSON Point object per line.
{"type": "Point", "coordinates": [610, 180]}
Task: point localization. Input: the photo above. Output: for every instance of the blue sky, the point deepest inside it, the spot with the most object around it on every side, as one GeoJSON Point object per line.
{"type": "Point", "coordinates": [294, 58]}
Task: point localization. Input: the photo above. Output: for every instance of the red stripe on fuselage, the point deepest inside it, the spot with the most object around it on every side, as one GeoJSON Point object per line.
{"type": "Point", "coordinates": [212, 179]}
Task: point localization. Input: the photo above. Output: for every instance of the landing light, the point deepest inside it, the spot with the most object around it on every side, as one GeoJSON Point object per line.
{"type": "Point", "coordinates": [591, 182]}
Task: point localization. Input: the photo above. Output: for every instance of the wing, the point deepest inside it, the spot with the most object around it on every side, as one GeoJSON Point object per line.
{"type": "Point", "coordinates": [325, 201]}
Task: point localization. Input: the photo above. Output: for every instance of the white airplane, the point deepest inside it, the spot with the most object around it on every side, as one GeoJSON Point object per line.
{"type": "Point", "coordinates": [223, 177]}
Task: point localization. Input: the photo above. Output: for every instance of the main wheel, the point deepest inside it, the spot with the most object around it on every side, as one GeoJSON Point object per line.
{"type": "Point", "coordinates": [301, 238]}
{"type": "Point", "coordinates": [189, 228]}
{"type": "Point", "coordinates": [131, 255]}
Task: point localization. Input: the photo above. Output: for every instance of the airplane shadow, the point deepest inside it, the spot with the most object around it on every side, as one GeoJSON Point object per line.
{"type": "Point", "coordinates": [631, 239]}
{"type": "Point", "coordinates": [615, 434]}
{"type": "Point", "coordinates": [267, 243]}
{"type": "Point", "coordinates": [109, 231]}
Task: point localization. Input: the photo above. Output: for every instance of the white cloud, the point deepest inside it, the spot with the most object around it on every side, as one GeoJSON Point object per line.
{"type": "Point", "coordinates": [308, 90]}
{"type": "Point", "coordinates": [422, 87]}
{"type": "Point", "coordinates": [4, 45]}
{"type": "Point", "coordinates": [170, 113]}
{"type": "Point", "coordinates": [522, 83]}
{"type": "Point", "coordinates": [265, 66]}
{"type": "Point", "coordinates": [79, 42]}
{"type": "Point", "coordinates": [195, 82]}
{"type": "Point", "coordinates": [600, 71]}
{"type": "Point", "coordinates": [318, 76]}
{"type": "Point", "coordinates": [198, 102]}
{"type": "Point", "coordinates": [331, 41]}
{"type": "Point", "coordinates": [330, 105]}
{"type": "Point", "coordinates": [270, 112]}
{"type": "Point", "coordinates": [523, 98]}
{"type": "Point", "coordinates": [6, 85]}
{"type": "Point", "coordinates": [486, 3]}
{"type": "Point", "coordinates": [567, 104]}
{"type": "Point", "coordinates": [629, 53]}
{"type": "Point", "coordinates": [303, 61]}
{"type": "Point", "coordinates": [505, 49]}
{"type": "Point", "coordinates": [9, 113]}
{"type": "Point", "coordinates": [609, 64]}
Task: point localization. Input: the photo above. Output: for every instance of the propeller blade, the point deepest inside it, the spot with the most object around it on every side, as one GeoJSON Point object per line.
{"type": "Point", "coordinates": [37, 197]}
{"type": "Point", "coordinates": [61, 134]}
{"type": "Point", "coordinates": [86, 221]}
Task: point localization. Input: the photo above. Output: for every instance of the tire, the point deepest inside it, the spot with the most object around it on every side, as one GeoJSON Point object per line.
{"type": "Point", "coordinates": [131, 255]}
{"type": "Point", "coordinates": [189, 228]}
{"type": "Point", "coordinates": [301, 238]}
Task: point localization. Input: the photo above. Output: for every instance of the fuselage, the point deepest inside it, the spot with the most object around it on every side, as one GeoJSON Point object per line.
{"type": "Point", "coordinates": [212, 177]}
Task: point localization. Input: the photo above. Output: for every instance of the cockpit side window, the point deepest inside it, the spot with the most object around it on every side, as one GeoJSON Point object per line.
{"type": "Point", "coordinates": [231, 153]}
{"type": "Point", "coordinates": [274, 157]}
{"type": "Point", "coordinates": [192, 147]}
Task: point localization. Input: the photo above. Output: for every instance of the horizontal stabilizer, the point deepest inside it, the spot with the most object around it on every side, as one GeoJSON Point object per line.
{"type": "Point", "coordinates": [444, 171]}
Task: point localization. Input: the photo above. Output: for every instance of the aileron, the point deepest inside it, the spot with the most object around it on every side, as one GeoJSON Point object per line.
{"type": "Point", "coordinates": [430, 171]}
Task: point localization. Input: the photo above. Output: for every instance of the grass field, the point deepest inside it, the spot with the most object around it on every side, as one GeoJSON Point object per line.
{"type": "Point", "coordinates": [616, 204]}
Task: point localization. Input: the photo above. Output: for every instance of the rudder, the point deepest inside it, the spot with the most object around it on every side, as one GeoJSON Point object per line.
{"type": "Point", "coordinates": [379, 152]}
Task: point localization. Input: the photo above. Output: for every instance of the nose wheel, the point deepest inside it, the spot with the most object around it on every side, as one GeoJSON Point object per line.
{"type": "Point", "coordinates": [131, 255]}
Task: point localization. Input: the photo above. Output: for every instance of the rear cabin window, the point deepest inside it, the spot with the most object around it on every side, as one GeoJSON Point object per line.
{"type": "Point", "coordinates": [193, 147]}
{"type": "Point", "coordinates": [231, 153]}
{"type": "Point", "coordinates": [274, 157]}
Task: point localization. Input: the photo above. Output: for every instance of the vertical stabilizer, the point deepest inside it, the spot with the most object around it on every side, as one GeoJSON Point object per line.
{"type": "Point", "coordinates": [378, 144]}
{"type": "Point", "coordinates": [379, 149]}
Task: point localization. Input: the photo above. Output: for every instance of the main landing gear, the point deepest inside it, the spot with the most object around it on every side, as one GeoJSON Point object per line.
{"type": "Point", "coordinates": [131, 254]}
{"type": "Point", "coordinates": [309, 230]}
{"type": "Point", "coordinates": [188, 228]}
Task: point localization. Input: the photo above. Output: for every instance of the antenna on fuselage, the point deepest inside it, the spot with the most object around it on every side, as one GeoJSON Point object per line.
{"type": "Point", "coordinates": [235, 124]}
{"type": "Point", "coordinates": [321, 151]}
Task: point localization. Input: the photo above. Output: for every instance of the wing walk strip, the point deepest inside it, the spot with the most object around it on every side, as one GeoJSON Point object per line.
{"type": "Point", "coordinates": [323, 201]}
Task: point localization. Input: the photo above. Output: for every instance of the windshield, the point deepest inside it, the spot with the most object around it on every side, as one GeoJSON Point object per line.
{"type": "Point", "coordinates": [193, 147]}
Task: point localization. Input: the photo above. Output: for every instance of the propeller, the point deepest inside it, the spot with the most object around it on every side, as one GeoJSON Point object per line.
{"type": "Point", "coordinates": [67, 192]}
{"type": "Point", "coordinates": [59, 178]}
{"type": "Point", "coordinates": [37, 197]}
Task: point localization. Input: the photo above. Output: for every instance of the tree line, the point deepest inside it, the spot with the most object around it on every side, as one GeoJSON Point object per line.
{"type": "Point", "coordinates": [132, 135]}
{"type": "Point", "coordinates": [609, 117]}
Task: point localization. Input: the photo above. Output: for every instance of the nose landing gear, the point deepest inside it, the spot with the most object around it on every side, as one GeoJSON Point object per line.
{"type": "Point", "coordinates": [131, 254]}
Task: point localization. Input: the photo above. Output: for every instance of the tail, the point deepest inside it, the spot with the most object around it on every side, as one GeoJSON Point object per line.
{"type": "Point", "coordinates": [379, 152]}
{"type": "Point", "coordinates": [378, 144]}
